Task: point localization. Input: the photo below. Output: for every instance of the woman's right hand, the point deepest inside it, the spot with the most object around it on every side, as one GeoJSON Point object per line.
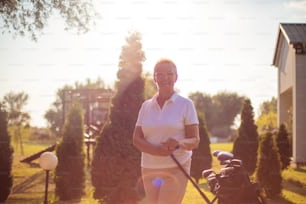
{"type": "Point", "coordinates": [164, 150]}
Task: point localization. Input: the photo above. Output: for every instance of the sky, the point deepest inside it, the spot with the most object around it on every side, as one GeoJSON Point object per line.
{"type": "Point", "coordinates": [217, 46]}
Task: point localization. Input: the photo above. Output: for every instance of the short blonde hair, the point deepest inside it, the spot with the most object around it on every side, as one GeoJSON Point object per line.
{"type": "Point", "coordinates": [164, 61]}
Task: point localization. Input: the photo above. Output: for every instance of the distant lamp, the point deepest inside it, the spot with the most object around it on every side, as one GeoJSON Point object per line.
{"type": "Point", "coordinates": [47, 161]}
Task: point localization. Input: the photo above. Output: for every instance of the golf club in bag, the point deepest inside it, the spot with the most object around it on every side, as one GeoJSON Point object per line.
{"type": "Point", "coordinates": [231, 186]}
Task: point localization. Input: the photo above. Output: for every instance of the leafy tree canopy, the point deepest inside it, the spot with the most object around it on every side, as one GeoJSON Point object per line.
{"type": "Point", "coordinates": [29, 17]}
{"type": "Point", "coordinates": [17, 117]}
{"type": "Point", "coordinates": [220, 110]}
{"type": "Point", "coordinates": [15, 103]}
{"type": "Point", "coordinates": [268, 106]}
{"type": "Point", "coordinates": [267, 119]}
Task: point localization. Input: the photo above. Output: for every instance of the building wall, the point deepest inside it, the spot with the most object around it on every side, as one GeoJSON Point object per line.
{"type": "Point", "coordinates": [284, 104]}
{"type": "Point", "coordinates": [299, 110]}
{"type": "Point", "coordinates": [286, 66]}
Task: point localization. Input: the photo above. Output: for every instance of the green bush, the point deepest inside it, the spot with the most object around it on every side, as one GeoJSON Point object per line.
{"type": "Point", "coordinates": [246, 144]}
{"type": "Point", "coordinates": [268, 171]}
{"type": "Point", "coordinates": [116, 163]}
{"type": "Point", "coordinates": [70, 171]}
{"type": "Point", "coordinates": [282, 142]}
{"type": "Point", "coordinates": [201, 157]}
{"type": "Point", "coordinates": [6, 157]}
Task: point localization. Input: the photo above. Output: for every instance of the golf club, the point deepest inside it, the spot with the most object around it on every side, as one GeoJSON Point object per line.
{"type": "Point", "coordinates": [190, 179]}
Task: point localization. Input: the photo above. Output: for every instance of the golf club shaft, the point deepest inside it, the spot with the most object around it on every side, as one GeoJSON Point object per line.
{"type": "Point", "coordinates": [190, 179]}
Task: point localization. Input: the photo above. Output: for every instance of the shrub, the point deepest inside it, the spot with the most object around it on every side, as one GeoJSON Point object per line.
{"type": "Point", "coordinates": [268, 171]}
{"type": "Point", "coordinates": [70, 171]}
{"type": "Point", "coordinates": [246, 144]}
{"type": "Point", "coordinates": [201, 157]}
{"type": "Point", "coordinates": [282, 142]}
{"type": "Point", "coordinates": [116, 163]}
{"type": "Point", "coordinates": [6, 157]}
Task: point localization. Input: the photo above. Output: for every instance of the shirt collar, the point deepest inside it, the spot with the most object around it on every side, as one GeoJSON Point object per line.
{"type": "Point", "coordinates": [172, 98]}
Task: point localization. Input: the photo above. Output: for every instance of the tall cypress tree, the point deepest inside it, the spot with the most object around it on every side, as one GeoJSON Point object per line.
{"type": "Point", "coordinates": [201, 157]}
{"type": "Point", "coordinates": [246, 144]}
{"type": "Point", "coordinates": [268, 171]}
{"type": "Point", "coordinates": [282, 142]}
{"type": "Point", "coordinates": [116, 163]}
{"type": "Point", "coordinates": [6, 157]}
{"type": "Point", "coordinates": [70, 171]}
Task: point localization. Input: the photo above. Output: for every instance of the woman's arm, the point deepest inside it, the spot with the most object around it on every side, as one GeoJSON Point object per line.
{"type": "Point", "coordinates": [144, 146]}
{"type": "Point", "coordinates": [192, 137]}
{"type": "Point", "coordinates": [190, 142]}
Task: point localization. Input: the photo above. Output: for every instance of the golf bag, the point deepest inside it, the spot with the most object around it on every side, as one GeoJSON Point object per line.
{"type": "Point", "coordinates": [232, 184]}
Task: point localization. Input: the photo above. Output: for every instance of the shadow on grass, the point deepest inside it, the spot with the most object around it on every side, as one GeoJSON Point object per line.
{"type": "Point", "coordinates": [27, 183]}
{"type": "Point", "coordinates": [298, 184]}
{"type": "Point", "coordinates": [28, 198]}
{"type": "Point", "coordinates": [278, 200]}
{"type": "Point", "coordinates": [300, 169]}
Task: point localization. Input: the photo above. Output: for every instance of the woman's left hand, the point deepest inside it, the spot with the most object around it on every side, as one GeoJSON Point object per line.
{"type": "Point", "coordinates": [170, 144]}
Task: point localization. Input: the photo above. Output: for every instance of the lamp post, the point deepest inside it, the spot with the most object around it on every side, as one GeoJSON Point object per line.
{"type": "Point", "coordinates": [47, 161]}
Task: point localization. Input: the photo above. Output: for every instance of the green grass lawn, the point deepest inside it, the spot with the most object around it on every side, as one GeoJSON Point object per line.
{"type": "Point", "coordinates": [29, 182]}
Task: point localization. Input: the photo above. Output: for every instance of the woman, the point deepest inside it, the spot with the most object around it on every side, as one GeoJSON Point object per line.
{"type": "Point", "coordinates": [167, 124]}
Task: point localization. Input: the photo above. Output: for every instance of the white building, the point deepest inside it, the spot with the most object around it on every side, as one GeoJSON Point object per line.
{"type": "Point", "coordinates": [290, 59]}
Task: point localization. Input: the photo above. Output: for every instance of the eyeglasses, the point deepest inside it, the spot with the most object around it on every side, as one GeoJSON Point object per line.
{"type": "Point", "coordinates": [160, 75]}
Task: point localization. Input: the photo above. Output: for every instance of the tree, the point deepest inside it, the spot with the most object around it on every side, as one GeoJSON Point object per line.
{"type": "Point", "coordinates": [204, 105]}
{"type": "Point", "coordinates": [227, 105]}
{"type": "Point", "coordinates": [201, 157]}
{"type": "Point", "coordinates": [70, 171]}
{"type": "Point", "coordinates": [16, 117]}
{"type": "Point", "coordinates": [246, 144]}
{"type": "Point", "coordinates": [267, 119]}
{"type": "Point", "coordinates": [54, 115]}
{"type": "Point", "coordinates": [268, 106]}
{"type": "Point", "coordinates": [6, 157]}
{"type": "Point", "coordinates": [282, 142]}
{"type": "Point", "coordinates": [220, 110]}
{"type": "Point", "coordinates": [116, 163]}
{"type": "Point", "coordinates": [268, 171]}
{"type": "Point", "coordinates": [150, 86]}
{"type": "Point", "coordinates": [30, 17]}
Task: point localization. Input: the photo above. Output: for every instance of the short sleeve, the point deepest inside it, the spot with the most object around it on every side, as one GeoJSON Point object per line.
{"type": "Point", "coordinates": [191, 116]}
{"type": "Point", "coordinates": [140, 116]}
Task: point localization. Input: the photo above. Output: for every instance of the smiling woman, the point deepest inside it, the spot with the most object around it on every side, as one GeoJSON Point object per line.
{"type": "Point", "coordinates": [166, 128]}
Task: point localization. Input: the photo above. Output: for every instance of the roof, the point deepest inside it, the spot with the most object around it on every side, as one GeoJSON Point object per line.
{"type": "Point", "coordinates": [294, 33]}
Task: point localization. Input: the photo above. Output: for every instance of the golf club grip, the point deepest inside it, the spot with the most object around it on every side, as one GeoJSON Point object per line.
{"type": "Point", "coordinates": [190, 179]}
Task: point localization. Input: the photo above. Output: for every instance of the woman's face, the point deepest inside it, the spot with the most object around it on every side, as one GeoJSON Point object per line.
{"type": "Point", "coordinates": [165, 76]}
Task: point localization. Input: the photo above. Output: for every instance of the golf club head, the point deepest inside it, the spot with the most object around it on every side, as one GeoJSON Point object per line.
{"type": "Point", "coordinates": [225, 162]}
{"type": "Point", "coordinates": [216, 152]}
{"type": "Point", "coordinates": [226, 170]}
{"type": "Point", "coordinates": [206, 173]}
{"type": "Point", "coordinates": [222, 156]}
{"type": "Point", "coordinates": [236, 162]}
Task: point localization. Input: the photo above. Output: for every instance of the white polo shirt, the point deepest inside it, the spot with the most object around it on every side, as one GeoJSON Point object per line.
{"type": "Point", "coordinates": [159, 124]}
